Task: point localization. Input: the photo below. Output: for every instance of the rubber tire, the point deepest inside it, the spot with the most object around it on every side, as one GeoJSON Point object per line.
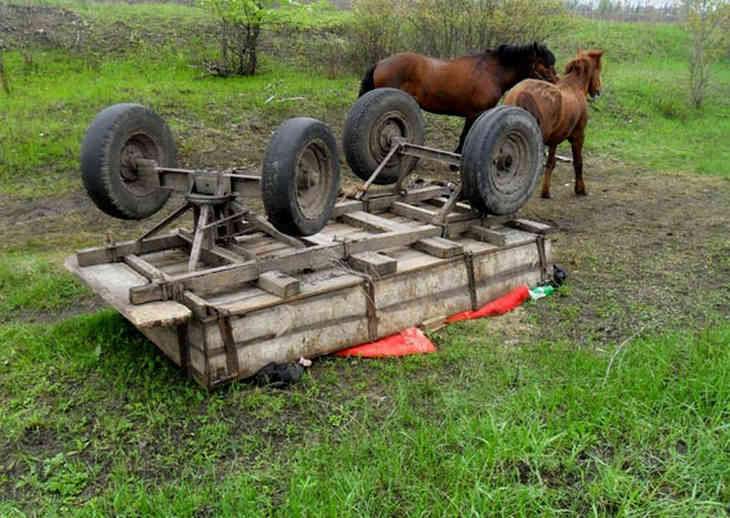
{"type": "Point", "coordinates": [364, 120]}
{"type": "Point", "coordinates": [484, 184]}
{"type": "Point", "coordinates": [105, 141]}
{"type": "Point", "coordinates": [286, 149]}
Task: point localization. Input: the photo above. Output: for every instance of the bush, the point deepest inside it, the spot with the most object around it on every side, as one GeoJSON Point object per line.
{"type": "Point", "coordinates": [377, 31]}
{"type": "Point", "coordinates": [448, 28]}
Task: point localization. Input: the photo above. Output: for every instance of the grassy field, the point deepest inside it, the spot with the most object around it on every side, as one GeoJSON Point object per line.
{"type": "Point", "coordinates": [609, 398]}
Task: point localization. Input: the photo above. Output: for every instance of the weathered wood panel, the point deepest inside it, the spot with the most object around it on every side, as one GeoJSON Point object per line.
{"type": "Point", "coordinates": [112, 282]}
{"type": "Point", "coordinates": [421, 277]}
{"type": "Point", "coordinates": [308, 314]}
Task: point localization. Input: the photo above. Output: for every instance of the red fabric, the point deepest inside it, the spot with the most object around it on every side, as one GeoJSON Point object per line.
{"type": "Point", "coordinates": [496, 307]}
{"type": "Point", "coordinates": [410, 341]}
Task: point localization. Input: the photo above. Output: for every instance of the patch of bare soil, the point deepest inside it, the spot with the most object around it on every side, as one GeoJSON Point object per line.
{"type": "Point", "coordinates": [31, 25]}
{"type": "Point", "coordinates": [644, 251]}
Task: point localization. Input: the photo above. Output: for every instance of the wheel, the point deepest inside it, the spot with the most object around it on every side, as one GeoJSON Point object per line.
{"type": "Point", "coordinates": [301, 176]}
{"type": "Point", "coordinates": [372, 122]}
{"type": "Point", "coordinates": [501, 160]}
{"type": "Point", "coordinates": [116, 137]}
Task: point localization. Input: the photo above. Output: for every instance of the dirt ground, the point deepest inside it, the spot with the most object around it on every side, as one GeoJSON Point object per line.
{"type": "Point", "coordinates": [643, 250]}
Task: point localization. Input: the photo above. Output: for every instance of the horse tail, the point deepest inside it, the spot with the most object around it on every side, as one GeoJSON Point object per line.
{"type": "Point", "coordinates": [368, 81]}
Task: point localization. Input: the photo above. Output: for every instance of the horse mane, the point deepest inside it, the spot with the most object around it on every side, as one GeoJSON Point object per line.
{"type": "Point", "coordinates": [515, 55]}
{"type": "Point", "coordinates": [582, 61]}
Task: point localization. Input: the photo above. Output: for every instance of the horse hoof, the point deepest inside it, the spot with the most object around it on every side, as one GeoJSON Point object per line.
{"type": "Point", "coordinates": [545, 195]}
{"type": "Point", "coordinates": [454, 167]}
{"type": "Point", "coordinates": [581, 192]}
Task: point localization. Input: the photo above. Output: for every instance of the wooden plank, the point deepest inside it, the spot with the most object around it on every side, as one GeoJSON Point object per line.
{"type": "Point", "coordinates": [425, 193]}
{"type": "Point", "coordinates": [263, 225]}
{"type": "Point", "coordinates": [113, 253]}
{"type": "Point", "coordinates": [374, 222]}
{"type": "Point", "coordinates": [373, 263]}
{"type": "Point", "coordinates": [454, 230]}
{"type": "Point", "coordinates": [272, 249]}
{"type": "Point", "coordinates": [443, 200]}
{"type": "Point", "coordinates": [279, 284]}
{"type": "Point", "coordinates": [530, 226]}
{"type": "Point", "coordinates": [250, 238]}
{"type": "Point", "coordinates": [414, 212]}
{"type": "Point", "coordinates": [433, 324]}
{"type": "Point", "coordinates": [318, 239]}
{"type": "Point", "coordinates": [242, 251]}
{"type": "Point", "coordinates": [307, 289]}
{"type": "Point", "coordinates": [439, 247]}
{"type": "Point", "coordinates": [143, 267]}
{"type": "Point", "coordinates": [393, 239]}
{"type": "Point", "coordinates": [495, 236]}
{"type": "Point", "coordinates": [346, 206]}
{"type": "Point", "coordinates": [112, 282]}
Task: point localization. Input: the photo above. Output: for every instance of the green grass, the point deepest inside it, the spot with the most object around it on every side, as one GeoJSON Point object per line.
{"type": "Point", "coordinates": [623, 41]}
{"type": "Point", "coordinates": [639, 428]}
{"type": "Point", "coordinates": [43, 151]}
{"type": "Point", "coordinates": [35, 284]}
{"type": "Point", "coordinates": [643, 117]}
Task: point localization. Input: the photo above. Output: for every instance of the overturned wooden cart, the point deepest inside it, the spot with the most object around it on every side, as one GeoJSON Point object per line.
{"type": "Point", "coordinates": [320, 273]}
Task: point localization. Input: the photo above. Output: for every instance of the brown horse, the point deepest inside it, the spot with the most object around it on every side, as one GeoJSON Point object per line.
{"type": "Point", "coordinates": [465, 86]}
{"type": "Point", "coordinates": [561, 110]}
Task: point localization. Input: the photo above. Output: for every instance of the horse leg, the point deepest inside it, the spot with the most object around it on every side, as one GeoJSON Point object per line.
{"type": "Point", "coordinates": [468, 122]}
{"type": "Point", "coordinates": [549, 166]}
{"type": "Point", "coordinates": [577, 146]}
{"type": "Point", "coordinates": [467, 126]}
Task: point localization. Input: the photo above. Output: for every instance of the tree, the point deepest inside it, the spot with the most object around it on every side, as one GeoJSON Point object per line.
{"type": "Point", "coordinates": [240, 26]}
{"type": "Point", "coordinates": [3, 77]}
{"type": "Point", "coordinates": [707, 22]}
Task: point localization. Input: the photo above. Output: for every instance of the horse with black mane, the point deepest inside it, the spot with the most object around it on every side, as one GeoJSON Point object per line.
{"type": "Point", "coordinates": [465, 86]}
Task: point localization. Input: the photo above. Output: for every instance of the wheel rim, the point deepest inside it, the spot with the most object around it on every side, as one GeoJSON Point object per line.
{"type": "Point", "coordinates": [314, 179]}
{"type": "Point", "coordinates": [135, 147]}
{"type": "Point", "coordinates": [510, 171]}
{"type": "Point", "coordinates": [389, 126]}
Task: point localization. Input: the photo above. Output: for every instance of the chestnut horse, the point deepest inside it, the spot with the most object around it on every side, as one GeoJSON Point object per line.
{"type": "Point", "coordinates": [465, 86]}
{"type": "Point", "coordinates": [561, 110]}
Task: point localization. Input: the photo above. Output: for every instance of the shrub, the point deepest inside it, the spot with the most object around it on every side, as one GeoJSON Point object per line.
{"type": "Point", "coordinates": [447, 28]}
{"type": "Point", "coordinates": [377, 31]}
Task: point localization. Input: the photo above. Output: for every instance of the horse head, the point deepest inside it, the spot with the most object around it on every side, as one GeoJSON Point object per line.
{"type": "Point", "coordinates": [529, 61]}
{"type": "Point", "coordinates": [544, 64]}
{"type": "Point", "coordinates": [587, 65]}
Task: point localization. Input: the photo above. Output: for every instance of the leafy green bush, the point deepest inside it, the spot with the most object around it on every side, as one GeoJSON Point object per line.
{"type": "Point", "coordinates": [377, 31]}
{"type": "Point", "coordinates": [447, 28]}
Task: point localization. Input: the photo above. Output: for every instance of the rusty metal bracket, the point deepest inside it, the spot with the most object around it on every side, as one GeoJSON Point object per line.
{"type": "Point", "coordinates": [371, 310]}
{"type": "Point", "coordinates": [469, 262]}
{"type": "Point", "coordinates": [224, 324]}
{"type": "Point", "coordinates": [540, 241]}
{"type": "Point", "coordinates": [364, 187]}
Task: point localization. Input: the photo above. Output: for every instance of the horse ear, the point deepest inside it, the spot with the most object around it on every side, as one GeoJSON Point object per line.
{"type": "Point", "coordinates": [577, 65]}
{"type": "Point", "coordinates": [596, 55]}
